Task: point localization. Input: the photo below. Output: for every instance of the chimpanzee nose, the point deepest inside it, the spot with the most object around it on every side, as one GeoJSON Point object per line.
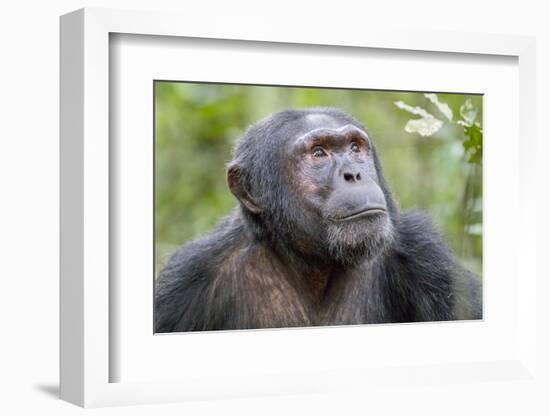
{"type": "Point", "coordinates": [352, 177]}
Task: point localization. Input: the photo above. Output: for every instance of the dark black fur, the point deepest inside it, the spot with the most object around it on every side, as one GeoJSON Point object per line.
{"type": "Point", "coordinates": [256, 270]}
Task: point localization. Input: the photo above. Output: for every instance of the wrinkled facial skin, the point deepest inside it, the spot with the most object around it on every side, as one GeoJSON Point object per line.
{"type": "Point", "coordinates": [335, 181]}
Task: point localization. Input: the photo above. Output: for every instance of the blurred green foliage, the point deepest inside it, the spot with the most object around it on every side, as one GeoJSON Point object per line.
{"type": "Point", "coordinates": [197, 125]}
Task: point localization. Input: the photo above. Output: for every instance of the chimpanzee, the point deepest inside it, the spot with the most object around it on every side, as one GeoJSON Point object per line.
{"type": "Point", "coordinates": [316, 239]}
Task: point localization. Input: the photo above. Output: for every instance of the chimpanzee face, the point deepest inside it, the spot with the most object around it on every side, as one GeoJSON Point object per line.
{"type": "Point", "coordinates": [333, 176]}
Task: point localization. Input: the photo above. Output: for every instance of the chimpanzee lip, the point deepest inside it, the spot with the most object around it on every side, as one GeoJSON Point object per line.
{"type": "Point", "coordinates": [364, 212]}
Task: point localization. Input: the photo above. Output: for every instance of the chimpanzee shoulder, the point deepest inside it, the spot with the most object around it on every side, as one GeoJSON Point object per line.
{"type": "Point", "coordinates": [422, 279]}
{"type": "Point", "coordinates": [186, 298]}
{"type": "Point", "coordinates": [226, 280]}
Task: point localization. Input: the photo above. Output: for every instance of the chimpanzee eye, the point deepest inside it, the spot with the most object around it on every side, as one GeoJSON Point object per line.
{"type": "Point", "coordinates": [354, 147]}
{"type": "Point", "coordinates": [318, 152]}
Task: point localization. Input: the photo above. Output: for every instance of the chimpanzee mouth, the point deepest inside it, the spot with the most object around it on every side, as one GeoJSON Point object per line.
{"type": "Point", "coordinates": [371, 211]}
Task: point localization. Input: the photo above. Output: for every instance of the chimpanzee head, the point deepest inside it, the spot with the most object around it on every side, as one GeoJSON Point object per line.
{"type": "Point", "coordinates": [310, 181]}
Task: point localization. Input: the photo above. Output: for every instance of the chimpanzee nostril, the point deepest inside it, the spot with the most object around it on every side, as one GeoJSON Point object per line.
{"type": "Point", "coordinates": [348, 177]}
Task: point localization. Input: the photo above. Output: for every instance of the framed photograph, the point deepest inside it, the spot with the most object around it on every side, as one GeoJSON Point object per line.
{"type": "Point", "coordinates": [273, 212]}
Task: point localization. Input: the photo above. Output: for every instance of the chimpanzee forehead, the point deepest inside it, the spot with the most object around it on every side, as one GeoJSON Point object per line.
{"type": "Point", "coordinates": [320, 120]}
{"type": "Point", "coordinates": [308, 122]}
{"type": "Point", "coordinates": [318, 125]}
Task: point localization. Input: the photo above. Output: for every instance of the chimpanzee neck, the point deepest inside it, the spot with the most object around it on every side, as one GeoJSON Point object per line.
{"type": "Point", "coordinates": [317, 276]}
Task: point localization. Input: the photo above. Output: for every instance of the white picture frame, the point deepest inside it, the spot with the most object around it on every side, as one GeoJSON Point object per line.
{"type": "Point", "coordinates": [86, 304]}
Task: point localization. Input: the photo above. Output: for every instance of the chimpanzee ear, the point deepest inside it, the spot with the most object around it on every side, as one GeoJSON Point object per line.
{"type": "Point", "coordinates": [236, 180]}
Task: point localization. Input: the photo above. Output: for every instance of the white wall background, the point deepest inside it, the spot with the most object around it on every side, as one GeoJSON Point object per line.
{"type": "Point", "coordinates": [29, 207]}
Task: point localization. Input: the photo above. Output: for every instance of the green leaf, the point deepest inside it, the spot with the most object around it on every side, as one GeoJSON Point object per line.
{"type": "Point", "coordinates": [426, 125]}
{"type": "Point", "coordinates": [417, 111]}
{"type": "Point", "coordinates": [468, 112]}
{"type": "Point", "coordinates": [473, 145]}
{"type": "Point", "coordinates": [443, 107]}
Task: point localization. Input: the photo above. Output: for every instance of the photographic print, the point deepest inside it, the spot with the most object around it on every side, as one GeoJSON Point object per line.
{"type": "Point", "coordinates": [279, 207]}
